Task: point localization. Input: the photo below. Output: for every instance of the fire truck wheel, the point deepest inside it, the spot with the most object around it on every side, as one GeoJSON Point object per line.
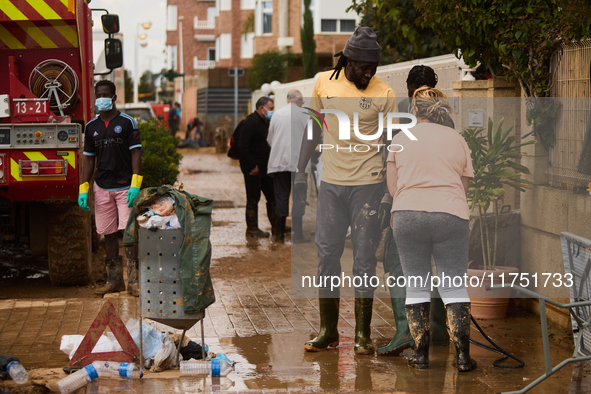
{"type": "Point", "coordinates": [69, 244]}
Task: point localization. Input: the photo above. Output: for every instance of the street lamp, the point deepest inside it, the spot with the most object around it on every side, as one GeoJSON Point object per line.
{"type": "Point", "coordinates": [136, 74]}
{"type": "Point", "coordinates": [181, 59]}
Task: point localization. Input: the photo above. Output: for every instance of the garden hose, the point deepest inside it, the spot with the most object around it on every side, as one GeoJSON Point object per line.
{"type": "Point", "coordinates": [55, 80]}
{"type": "Point", "coordinates": [496, 348]}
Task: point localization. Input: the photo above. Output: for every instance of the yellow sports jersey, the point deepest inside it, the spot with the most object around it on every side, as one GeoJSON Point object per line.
{"type": "Point", "coordinates": [349, 159]}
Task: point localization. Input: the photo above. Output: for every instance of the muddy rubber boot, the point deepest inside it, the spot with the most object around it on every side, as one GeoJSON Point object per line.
{"type": "Point", "coordinates": [363, 307]}
{"type": "Point", "coordinates": [298, 230]}
{"type": "Point", "coordinates": [458, 315]}
{"type": "Point", "coordinates": [115, 281]}
{"type": "Point", "coordinates": [419, 323]}
{"type": "Point", "coordinates": [280, 234]}
{"type": "Point", "coordinates": [328, 336]}
{"type": "Point", "coordinates": [133, 286]}
{"type": "Point", "coordinates": [402, 340]}
{"type": "Point", "coordinates": [439, 335]}
{"type": "Point", "coordinates": [252, 222]}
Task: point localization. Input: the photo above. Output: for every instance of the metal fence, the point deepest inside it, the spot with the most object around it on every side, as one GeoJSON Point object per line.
{"type": "Point", "coordinates": [571, 75]}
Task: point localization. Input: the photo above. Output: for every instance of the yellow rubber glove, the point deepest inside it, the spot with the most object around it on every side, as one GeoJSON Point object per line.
{"type": "Point", "coordinates": [134, 190]}
{"type": "Point", "coordinates": [83, 196]}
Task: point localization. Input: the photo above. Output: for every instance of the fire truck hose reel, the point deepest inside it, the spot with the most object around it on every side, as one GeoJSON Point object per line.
{"type": "Point", "coordinates": [57, 81]}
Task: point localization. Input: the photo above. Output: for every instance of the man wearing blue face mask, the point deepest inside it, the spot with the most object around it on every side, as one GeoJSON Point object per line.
{"type": "Point", "coordinates": [112, 146]}
{"type": "Point", "coordinates": [254, 156]}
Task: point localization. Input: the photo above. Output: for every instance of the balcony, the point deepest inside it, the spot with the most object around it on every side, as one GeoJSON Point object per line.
{"type": "Point", "coordinates": [203, 64]}
{"type": "Point", "coordinates": [203, 25]}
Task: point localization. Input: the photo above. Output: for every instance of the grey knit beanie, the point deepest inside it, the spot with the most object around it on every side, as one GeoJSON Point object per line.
{"type": "Point", "coordinates": [363, 46]}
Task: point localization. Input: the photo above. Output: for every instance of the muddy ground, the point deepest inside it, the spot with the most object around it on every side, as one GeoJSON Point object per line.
{"type": "Point", "coordinates": [259, 324]}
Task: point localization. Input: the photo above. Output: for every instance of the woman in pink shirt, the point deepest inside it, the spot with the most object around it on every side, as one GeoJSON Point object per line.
{"type": "Point", "coordinates": [428, 180]}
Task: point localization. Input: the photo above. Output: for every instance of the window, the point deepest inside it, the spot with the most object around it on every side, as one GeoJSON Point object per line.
{"type": "Point", "coordinates": [247, 46]}
{"type": "Point", "coordinates": [217, 49]}
{"type": "Point", "coordinates": [328, 25]}
{"type": "Point", "coordinates": [347, 25]}
{"type": "Point", "coordinates": [195, 62]}
{"type": "Point", "coordinates": [267, 11]}
{"type": "Point", "coordinates": [225, 45]}
{"type": "Point", "coordinates": [225, 5]}
{"type": "Point", "coordinates": [171, 60]}
{"type": "Point", "coordinates": [172, 18]}
{"type": "Point", "coordinates": [247, 4]}
{"type": "Point", "coordinates": [211, 14]}
{"type": "Point", "coordinates": [211, 54]}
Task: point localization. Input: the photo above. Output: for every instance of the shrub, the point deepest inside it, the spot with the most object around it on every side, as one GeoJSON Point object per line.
{"type": "Point", "coordinates": [267, 67]}
{"type": "Point", "coordinates": [160, 160]}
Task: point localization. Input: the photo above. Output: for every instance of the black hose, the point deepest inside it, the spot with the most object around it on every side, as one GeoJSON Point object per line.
{"type": "Point", "coordinates": [496, 348]}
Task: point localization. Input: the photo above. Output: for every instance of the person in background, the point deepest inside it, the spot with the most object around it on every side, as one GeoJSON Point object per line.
{"type": "Point", "coordinates": [428, 181]}
{"type": "Point", "coordinates": [254, 157]}
{"type": "Point", "coordinates": [286, 132]}
{"type": "Point", "coordinates": [174, 117]}
{"type": "Point", "coordinates": [112, 146]}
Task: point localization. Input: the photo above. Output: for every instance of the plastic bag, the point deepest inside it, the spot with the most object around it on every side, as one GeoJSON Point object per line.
{"type": "Point", "coordinates": [151, 338]}
{"type": "Point", "coordinates": [70, 343]}
{"type": "Point", "coordinates": [166, 357]}
{"type": "Point", "coordinates": [163, 206]}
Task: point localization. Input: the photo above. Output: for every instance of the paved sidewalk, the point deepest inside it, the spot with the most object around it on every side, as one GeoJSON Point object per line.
{"type": "Point", "coordinates": [260, 324]}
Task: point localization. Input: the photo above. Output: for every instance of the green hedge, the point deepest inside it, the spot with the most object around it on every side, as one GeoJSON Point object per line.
{"type": "Point", "coordinates": [160, 160]}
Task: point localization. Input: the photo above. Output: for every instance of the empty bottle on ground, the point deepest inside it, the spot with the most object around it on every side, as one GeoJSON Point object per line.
{"type": "Point", "coordinates": [17, 372]}
{"type": "Point", "coordinates": [78, 379]}
{"type": "Point", "coordinates": [201, 368]}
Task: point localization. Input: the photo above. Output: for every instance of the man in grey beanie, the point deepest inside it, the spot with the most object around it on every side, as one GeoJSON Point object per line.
{"type": "Point", "coordinates": [352, 181]}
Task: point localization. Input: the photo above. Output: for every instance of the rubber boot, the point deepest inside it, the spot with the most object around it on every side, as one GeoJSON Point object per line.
{"type": "Point", "coordinates": [280, 234]}
{"type": "Point", "coordinates": [272, 215]}
{"type": "Point", "coordinates": [298, 230]}
{"type": "Point", "coordinates": [402, 340]}
{"type": "Point", "coordinates": [252, 222]}
{"type": "Point", "coordinates": [419, 323]}
{"type": "Point", "coordinates": [458, 315]}
{"type": "Point", "coordinates": [439, 335]}
{"type": "Point", "coordinates": [363, 307]}
{"type": "Point", "coordinates": [133, 286]}
{"type": "Point", "coordinates": [328, 336]}
{"type": "Point", "coordinates": [115, 281]}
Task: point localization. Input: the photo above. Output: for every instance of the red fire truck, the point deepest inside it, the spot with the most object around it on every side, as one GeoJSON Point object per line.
{"type": "Point", "coordinates": [46, 98]}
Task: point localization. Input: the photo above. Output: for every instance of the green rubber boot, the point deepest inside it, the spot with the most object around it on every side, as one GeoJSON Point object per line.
{"type": "Point", "coordinates": [363, 309]}
{"type": "Point", "coordinates": [328, 336]}
{"type": "Point", "coordinates": [439, 334]}
{"type": "Point", "coordinates": [402, 340]}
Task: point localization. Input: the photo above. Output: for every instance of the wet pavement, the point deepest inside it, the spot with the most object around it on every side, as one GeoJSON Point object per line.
{"type": "Point", "coordinates": [259, 324]}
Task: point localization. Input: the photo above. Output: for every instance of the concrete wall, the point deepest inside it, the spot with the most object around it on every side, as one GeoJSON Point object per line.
{"type": "Point", "coordinates": [448, 68]}
{"type": "Point", "coordinates": [545, 213]}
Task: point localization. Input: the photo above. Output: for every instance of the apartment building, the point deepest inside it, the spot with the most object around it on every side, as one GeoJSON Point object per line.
{"type": "Point", "coordinates": [208, 38]}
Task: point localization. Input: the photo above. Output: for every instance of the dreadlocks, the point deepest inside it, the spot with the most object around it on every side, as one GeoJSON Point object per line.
{"type": "Point", "coordinates": [341, 63]}
{"type": "Point", "coordinates": [422, 76]}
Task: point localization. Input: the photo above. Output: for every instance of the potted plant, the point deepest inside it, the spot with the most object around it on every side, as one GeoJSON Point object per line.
{"type": "Point", "coordinates": [494, 154]}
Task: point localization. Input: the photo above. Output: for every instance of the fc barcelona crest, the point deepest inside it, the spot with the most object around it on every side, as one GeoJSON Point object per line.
{"type": "Point", "coordinates": [365, 103]}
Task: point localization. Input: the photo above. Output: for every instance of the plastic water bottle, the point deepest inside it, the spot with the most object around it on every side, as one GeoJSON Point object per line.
{"type": "Point", "coordinates": [78, 379]}
{"type": "Point", "coordinates": [17, 372]}
{"type": "Point", "coordinates": [204, 368]}
{"type": "Point", "coordinates": [117, 370]}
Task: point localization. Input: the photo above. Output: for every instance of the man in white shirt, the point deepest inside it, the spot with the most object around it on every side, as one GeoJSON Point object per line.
{"type": "Point", "coordinates": [285, 136]}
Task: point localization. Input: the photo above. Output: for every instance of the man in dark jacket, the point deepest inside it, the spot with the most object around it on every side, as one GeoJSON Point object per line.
{"type": "Point", "coordinates": [254, 156]}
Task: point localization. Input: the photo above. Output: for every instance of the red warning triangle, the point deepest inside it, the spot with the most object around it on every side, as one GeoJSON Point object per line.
{"type": "Point", "coordinates": [106, 317]}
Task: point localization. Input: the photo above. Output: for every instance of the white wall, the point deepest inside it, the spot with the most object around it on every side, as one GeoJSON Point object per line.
{"type": "Point", "coordinates": [447, 67]}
